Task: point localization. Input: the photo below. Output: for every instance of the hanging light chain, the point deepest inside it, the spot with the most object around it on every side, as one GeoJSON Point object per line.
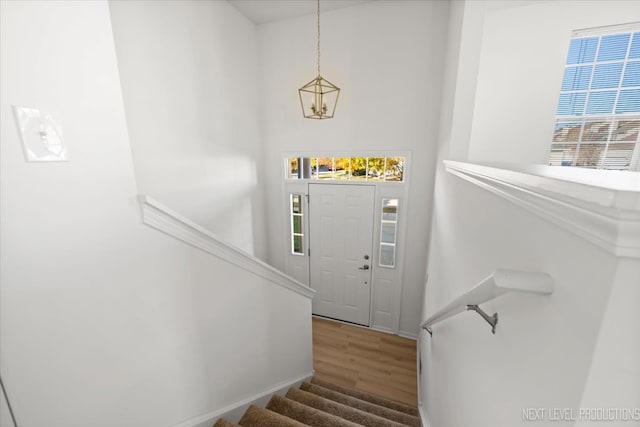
{"type": "Point", "coordinates": [321, 94]}
{"type": "Point", "coordinates": [318, 16]}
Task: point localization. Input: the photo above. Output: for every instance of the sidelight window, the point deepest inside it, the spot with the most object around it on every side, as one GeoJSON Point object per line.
{"type": "Point", "coordinates": [388, 233]}
{"type": "Point", "coordinates": [297, 224]}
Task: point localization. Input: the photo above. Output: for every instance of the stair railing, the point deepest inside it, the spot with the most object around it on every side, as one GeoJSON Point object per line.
{"type": "Point", "coordinates": [498, 283]}
{"type": "Point", "coordinates": [164, 219]}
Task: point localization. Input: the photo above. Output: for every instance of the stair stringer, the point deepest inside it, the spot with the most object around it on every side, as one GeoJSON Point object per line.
{"type": "Point", "coordinates": [234, 411]}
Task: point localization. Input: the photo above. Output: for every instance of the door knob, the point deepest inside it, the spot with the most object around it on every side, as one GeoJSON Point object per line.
{"type": "Point", "coordinates": [364, 267]}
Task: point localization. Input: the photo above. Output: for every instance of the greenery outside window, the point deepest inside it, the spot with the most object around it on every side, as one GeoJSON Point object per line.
{"type": "Point", "coordinates": [381, 169]}
{"type": "Point", "coordinates": [297, 225]}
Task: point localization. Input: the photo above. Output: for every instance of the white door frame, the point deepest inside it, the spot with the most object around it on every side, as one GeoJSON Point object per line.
{"type": "Point", "coordinates": [386, 283]}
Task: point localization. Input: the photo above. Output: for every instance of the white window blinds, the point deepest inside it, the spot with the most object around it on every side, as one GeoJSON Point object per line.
{"type": "Point", "coordinates": [598, 115]}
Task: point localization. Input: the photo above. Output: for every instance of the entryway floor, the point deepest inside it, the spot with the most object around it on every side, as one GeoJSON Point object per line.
{"type": "Point", "coordinates": [366, 360]}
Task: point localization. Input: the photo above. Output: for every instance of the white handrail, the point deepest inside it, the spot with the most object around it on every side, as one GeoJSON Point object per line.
{"type": "Point", "coordinates": [498, 283]}
{"type": "Point", "coordinates": [162, 218]}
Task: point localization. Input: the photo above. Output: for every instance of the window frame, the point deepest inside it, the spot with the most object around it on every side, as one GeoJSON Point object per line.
{"type": "Point", "coordinates": [292, 232]}
{"type": "Point", "coordinates": [315, 176]}
{"type": "Point", "coordinates": [563, 150]}
{"type": "Point", "coordinates": [384, 221]}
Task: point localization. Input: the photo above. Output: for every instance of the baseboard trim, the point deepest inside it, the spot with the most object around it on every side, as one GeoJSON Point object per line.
{"type": "Point", "coordinates": [409, 335]}
{"type": "Point", "coordinates": [211, 417]}
{"type": "Point", "coordinates": [423, 416]}
{"type": "Point", "coordinates": [382, 329]}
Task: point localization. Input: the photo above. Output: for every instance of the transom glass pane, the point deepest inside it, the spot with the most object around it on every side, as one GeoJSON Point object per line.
{"type": "Point", "coordinates": [394, 169]}
{"type": "Point", "coordinates": [358, 168]}
{"type": "Point", "coordinates": [388, 169]}
{"type": "Point", "coordinates": [293, 168]}
{"type": "Point", "coordinates": [375, 168]}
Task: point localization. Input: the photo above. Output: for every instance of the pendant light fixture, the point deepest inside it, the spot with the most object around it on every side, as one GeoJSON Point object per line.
{"type": "Point", "coordinates": [319, 97]}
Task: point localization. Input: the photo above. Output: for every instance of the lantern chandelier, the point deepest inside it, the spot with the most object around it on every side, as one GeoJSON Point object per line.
{"type": "Point", "coordinates": [319, 97]}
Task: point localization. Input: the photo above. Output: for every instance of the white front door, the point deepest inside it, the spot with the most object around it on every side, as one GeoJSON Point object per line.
{"type": "Point", "coordinates": [340, 243]}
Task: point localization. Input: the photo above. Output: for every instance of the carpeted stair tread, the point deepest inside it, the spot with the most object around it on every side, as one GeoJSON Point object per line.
{"type": "Point", "coordinates": [381, 401]}
{"type": "Point", "coordinates": [224, 423]}
{"type": "Point", "coordinates": [338, 409]}
{"type": "Point", "coordinates": [260, 417]}
{"type": "Point", "coordinates": [363, 405]}
{"type": "Point", "coordinates": [306, 414]}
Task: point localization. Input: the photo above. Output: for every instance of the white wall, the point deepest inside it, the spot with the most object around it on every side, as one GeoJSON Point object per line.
{"type": "Point", "coordinates": [5, 414]}
{"type": "Point", "coordinates": [548, 352]}
{"type": "Point", "coordinates": [387, 57]}
{"type": "Point", "coordinates": [614, 377]}
{"type": "Point", "coordinates": [103, 320]}
{"type": "Point", "coordinates": [524, 50]}
{"type": "Point", "coordinates": [464, 41]}
{"type": "Point", "coordinates": [541, 354]}
{"type": "Point", "coordinates": [189, 81]}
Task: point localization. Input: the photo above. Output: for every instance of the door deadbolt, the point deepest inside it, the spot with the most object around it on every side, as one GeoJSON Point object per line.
{"type": "Point", "coordinates": [366, 257]}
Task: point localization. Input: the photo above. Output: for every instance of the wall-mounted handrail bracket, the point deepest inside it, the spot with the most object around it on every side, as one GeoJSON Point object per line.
{"type": "Point", "coordinates": [492, 320]}
{"type": "Point", "coordinates": [496, 284]}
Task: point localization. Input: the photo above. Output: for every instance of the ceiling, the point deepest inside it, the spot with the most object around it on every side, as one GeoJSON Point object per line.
{"type": "Point", "coordinates": [263, 11]}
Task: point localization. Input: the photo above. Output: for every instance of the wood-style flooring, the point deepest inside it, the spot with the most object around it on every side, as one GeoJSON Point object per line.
{"type": "Point", "coordinates": [366, 360]}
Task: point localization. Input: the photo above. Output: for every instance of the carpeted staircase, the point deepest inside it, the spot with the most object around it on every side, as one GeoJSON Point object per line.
{"type": "Point", "coordinates": [322, 404]}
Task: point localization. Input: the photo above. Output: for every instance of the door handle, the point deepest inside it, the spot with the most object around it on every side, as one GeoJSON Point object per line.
{"type": "Point", "coordinates": [364, 267]}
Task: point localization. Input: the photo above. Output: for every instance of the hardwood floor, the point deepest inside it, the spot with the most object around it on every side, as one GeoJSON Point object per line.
{"type": "Point", "coordinates": [364, 359]}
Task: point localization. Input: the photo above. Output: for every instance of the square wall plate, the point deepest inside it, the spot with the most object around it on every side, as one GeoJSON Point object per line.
{"type": "Point", "coordinates": [41, 136]}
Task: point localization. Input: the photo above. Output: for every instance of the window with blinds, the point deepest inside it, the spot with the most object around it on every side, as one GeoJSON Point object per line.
{"type": "Point", "coordinates": [598, 115]}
